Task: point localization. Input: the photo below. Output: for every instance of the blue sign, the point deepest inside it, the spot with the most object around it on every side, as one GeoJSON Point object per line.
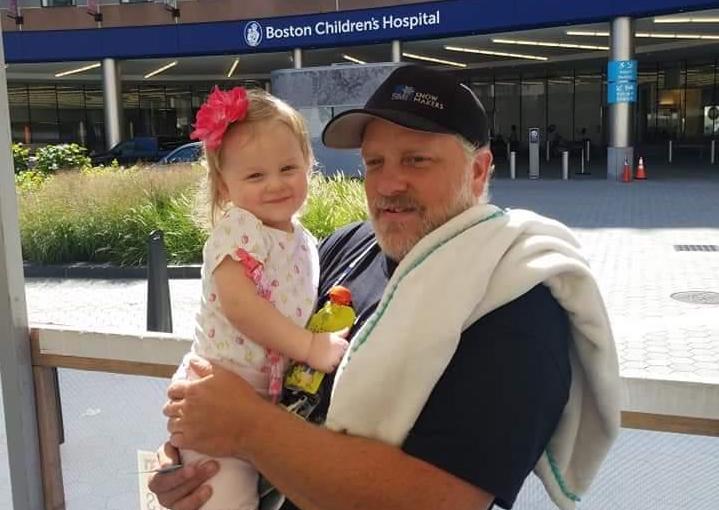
{"type": "Point", "coordinates": [622, 92]}
{"type": "Point", "coordinates": [622, 70]}
{"type": "Point", "coordinates": [426, 20]}
{"type": "Point", "coordinates": [621, 81]}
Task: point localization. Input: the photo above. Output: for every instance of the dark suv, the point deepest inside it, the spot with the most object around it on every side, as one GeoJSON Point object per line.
{"type": "Point", "coordinates": [145, 148]}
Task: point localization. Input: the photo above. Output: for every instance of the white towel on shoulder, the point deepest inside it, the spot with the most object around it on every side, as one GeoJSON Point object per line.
{"type": "Point", "coordinates": [471, 265]}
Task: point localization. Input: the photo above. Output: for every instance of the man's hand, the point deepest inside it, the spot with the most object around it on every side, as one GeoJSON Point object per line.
{"type": "Point", "coordinates": [181, 489]}
{"type": "Point", "coordinates": [214, 414]}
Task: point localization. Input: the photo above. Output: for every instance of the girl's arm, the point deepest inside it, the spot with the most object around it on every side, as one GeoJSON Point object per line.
{"type": "Point", "coordinates": [256, 318]}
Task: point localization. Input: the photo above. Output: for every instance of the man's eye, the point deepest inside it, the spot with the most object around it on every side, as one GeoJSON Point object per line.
{"type": "Point", "coordinates": [418, 160]}
{"type": "Point", "coordinates": [372, 162]}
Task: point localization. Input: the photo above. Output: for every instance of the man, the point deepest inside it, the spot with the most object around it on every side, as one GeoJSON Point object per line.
{"type": "Point", "coordinates": [474, 430]}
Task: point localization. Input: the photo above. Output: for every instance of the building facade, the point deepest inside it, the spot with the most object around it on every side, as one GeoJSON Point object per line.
{"type": "Point", "coordinates": [547, 67]}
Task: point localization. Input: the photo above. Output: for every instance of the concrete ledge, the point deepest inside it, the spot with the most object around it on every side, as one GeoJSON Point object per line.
{"type": "Point", "coordinates": [105, 271]}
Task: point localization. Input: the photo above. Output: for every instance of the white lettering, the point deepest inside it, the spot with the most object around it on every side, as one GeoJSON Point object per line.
{"type": "Point", "coordinates": [283, 33]}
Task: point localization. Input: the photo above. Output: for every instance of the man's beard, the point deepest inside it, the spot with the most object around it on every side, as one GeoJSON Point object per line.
{"type": "Point", "coordinates": [396, 240]}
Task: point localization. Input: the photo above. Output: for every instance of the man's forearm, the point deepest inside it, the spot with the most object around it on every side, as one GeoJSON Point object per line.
{"type": "Point", "coordinates": [323, 470]}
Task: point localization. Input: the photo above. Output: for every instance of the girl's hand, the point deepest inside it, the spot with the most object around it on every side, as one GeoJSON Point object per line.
{"type": "Point", "coordinates": [327, 350]}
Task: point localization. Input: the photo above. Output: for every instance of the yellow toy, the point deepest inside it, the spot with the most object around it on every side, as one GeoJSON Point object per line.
{"type": "Point", "coordinates": [337, 314]}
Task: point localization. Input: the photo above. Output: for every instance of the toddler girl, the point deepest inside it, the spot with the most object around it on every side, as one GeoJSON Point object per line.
{"type": "Point", "coordinates": [260, 266]}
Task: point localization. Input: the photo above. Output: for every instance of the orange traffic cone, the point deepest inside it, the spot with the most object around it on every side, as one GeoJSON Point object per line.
{"type": "Point", "coordinates": [641, 174]}
{"type": "Point", "coordinates": [627, 173]}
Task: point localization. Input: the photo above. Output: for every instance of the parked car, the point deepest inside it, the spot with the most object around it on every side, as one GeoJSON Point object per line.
{"type": "Point", "coordinates": [187, 153]}
{"type": "Point", "coordinates": [146, 148]}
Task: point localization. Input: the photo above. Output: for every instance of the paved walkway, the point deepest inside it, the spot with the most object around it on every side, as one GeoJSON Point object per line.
{"type": "Point", "coordinates": [628, 232]}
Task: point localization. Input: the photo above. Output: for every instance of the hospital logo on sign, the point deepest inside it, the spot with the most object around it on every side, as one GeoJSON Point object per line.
{"type": "Point", "coordinates": [253, 33]}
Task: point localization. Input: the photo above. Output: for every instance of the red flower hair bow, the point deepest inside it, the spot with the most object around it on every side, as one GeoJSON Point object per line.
{"type": "Point", "coordinates": [221, 109]}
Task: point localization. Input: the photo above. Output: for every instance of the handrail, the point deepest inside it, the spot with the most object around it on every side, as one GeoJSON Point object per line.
{"type": "Point", "coordinates": [648, 404]}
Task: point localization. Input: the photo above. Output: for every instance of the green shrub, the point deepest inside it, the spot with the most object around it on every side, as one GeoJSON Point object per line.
{"type": "Point", "coordinates": [52, 158]}
{"type": "Point", "coordinates": [333, 202]}
{"type": "Point", "coordinates": [30, 180]}
{"type": "Point", "coordinates": [20, 157]}
{"type": "Point", "coordinates": [106, 214]}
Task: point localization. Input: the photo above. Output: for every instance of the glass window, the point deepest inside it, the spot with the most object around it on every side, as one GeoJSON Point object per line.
{"type": "Point", "coordinates": [19, 101]}
{"type": "Point", "coordinates": [534, 107]}
{"type": "Point", "coordinates": [95, 115]}
{"type": "Point", "coordinates": [670, 110]}
{"type": "Point", "coordinates": [560, 99]}
{"type": "Point", "coordinates": [179, 102]}
{"type": "Point", "coordinates": [71, 113]}
{"type": "Point", "coordinates": [152, 109]}
{"type": "Point", "coordinates": [507, 113]}
{"type": "Point", "coordinates": [646, 104]}
{"type": "Point", "coordinates": [588, 107]}
{"type": "Point", "coordinates": [131, 109]}
{"type": "Point", "coordinates": [44, 114]}
{"type": "Point", "coordinates": [701, 110]}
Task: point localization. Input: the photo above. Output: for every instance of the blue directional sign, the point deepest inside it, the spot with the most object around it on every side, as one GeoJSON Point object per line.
{"type": "Point", "coordinates": [622, 92]}
{"type": "Point", "coordinates": [622, 70]}
{"type": "Point", "coordinates": [622, 81]}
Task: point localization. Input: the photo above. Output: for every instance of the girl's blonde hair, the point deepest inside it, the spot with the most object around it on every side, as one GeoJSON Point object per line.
{"type": "Point", "coordinates": [262, 106]}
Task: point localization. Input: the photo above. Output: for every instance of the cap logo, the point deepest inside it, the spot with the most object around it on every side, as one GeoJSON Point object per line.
{"type": "Point", "coordinates": [407, 93]}
{"type": "Point", "coordinates": [403, 93]}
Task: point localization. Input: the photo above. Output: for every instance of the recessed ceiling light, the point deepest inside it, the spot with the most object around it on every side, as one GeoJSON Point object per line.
{"type": "Point", "coordinates": [495, 53]}
{"type": "Point", "coordinates": [587, 34]}
{"type": "Point", "coordinates": [666, 35]}
{"type": "Point", "coordinates": [523, 42]}
{"type": "Point", "coordinates": [433, 59]}
{"type": "Point", "coordinates": [353, 59]}
{"type": "Point", "coordinates": [683, 19]}
{"type": "Point", "coordinates": [650, 35]}
{"type": "Point", "coordinates": [232, 69]}
{"type": "Point", "coordinates": [78, 70]}
{"type": "Point", "coordinates": [161, 69]}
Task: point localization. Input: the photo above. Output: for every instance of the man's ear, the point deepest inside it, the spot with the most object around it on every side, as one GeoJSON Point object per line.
{"type": "Point", "coordinates": [481, 169]}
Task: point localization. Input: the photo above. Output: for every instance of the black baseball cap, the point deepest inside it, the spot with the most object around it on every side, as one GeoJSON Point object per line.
{"type": "Point", "coordinates": [415, 97]}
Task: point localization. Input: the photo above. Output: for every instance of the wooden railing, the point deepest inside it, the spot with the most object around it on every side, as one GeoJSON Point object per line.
{"type": "Point", "coordinates": [648, 404]}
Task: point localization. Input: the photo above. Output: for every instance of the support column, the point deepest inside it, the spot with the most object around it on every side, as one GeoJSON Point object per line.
{"type": "Point", "coordinates": [297, 58]}
{"type": "Point", "coordinates": [112, 95]}
{"type": "Point", "coordinates": [621, 115]}
{"type": "Point", "coordinates": [18, 398]}
{"type": "Point", "coordinates": [396, 51]}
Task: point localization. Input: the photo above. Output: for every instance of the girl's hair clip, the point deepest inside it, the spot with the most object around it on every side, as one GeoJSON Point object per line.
{"type": "Point", "coordinates": [221, 109]}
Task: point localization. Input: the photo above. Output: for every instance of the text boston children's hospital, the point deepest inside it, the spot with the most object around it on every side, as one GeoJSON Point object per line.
{"type": "Point", "coordinates": [386, 22]}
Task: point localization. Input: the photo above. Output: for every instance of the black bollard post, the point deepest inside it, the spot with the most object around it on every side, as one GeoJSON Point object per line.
{"type": "Point", "coordinates": [159, 309]}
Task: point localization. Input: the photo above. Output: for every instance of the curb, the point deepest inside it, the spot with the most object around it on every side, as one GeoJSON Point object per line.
{"type": "Point", "coordinates": [105, 271]}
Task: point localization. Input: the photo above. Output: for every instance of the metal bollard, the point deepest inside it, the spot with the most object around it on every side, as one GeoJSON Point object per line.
{"type": "Point", "coordinates": [159, 309]}
{"type": "Point", "coordinates": [713, 152]}
{"type": "Point", "coordinates": [565, 165]}
{"type": "Point", "coordinates": [547, 144]}
{"type": "Point", "coordinates": [512, 165]}
{"type": "Point", "coordinates": [587, 148]}
{"type": "Point", "coordinates": [581, 160]}
{"type": "Point", "coordinates": [670, 151]}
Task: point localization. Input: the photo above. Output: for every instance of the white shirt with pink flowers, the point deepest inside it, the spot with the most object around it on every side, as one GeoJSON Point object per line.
{"type": "Point", "coordinates": [285, 269]}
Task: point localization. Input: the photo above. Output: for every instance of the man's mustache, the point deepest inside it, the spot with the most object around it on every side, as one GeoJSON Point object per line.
{"type": "Point", "coordinates": [396, 202]}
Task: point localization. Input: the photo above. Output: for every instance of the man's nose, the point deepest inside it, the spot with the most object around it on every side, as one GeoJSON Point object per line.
{"type": "Point", "coordinates": [391, 181]}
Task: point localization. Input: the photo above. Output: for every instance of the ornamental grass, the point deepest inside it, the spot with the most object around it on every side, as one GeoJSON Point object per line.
{"type": "Point", "coordinates": [104, 215]}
